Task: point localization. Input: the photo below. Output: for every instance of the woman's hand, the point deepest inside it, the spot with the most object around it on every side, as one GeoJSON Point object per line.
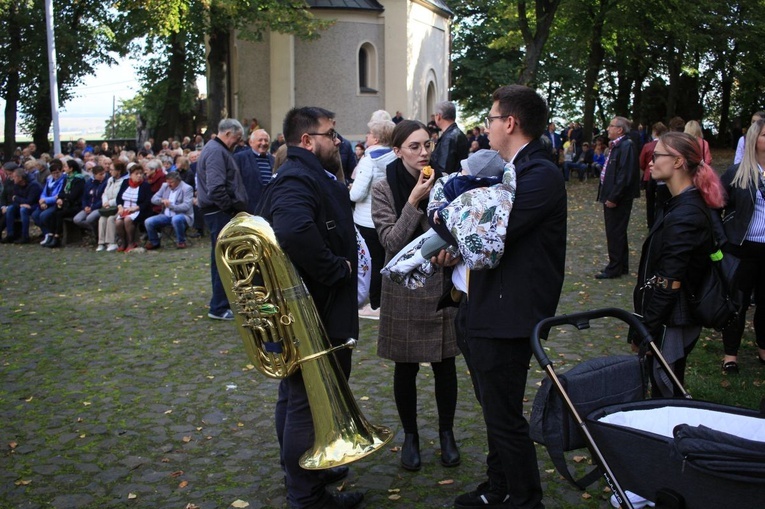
{"type": "Point", "coordinates": [422, 188]}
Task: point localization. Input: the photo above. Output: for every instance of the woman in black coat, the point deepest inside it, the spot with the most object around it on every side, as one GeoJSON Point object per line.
{"type": "Point", "coordinates": [744, 223]}
{"type": "Point", "coordinates": [133, 207]}
{"type": "Point", "coordinates": [68, 202]}
{"type": "Point", "coordinates": [676, 252]}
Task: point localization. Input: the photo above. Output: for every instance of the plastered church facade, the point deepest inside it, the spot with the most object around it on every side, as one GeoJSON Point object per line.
{"type": "Point", "coordinates": [378, 54]}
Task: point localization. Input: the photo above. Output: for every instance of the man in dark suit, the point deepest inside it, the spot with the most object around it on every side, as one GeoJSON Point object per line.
{"type": "Point", "coordinates": [256, 166]}
{"type": "Point", "coordinates": [494, 324]}
{"type": "Point", "coordinates": [619, 186]}
{"type": "Point", "coordinates": [310, 212]}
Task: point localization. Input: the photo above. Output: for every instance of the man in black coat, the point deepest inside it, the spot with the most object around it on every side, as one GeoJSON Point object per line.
{"type": "Point", "coordinates": [310, 212]}
{"type": "Point", "coordinates": [619, 186]}
{"type": "Point", "coordinates": [452, 146]}
{"type": "Point", "coordinates": [495, 322]}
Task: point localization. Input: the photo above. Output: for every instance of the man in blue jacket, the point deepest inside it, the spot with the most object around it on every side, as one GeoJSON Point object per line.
{"type": "Point", "coordinates": [495, 321]}
{"type": "Point", "coordinates": [256, 165]}
{"type": "Point", "coordinates": [310, 212]}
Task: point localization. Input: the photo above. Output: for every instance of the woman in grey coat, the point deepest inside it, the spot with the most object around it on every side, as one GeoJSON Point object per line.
{"type": "Point", "coordinates": [411, 329]}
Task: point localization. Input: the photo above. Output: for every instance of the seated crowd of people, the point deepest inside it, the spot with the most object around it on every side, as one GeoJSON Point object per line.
{"type": "Point", "coordinates": [118, 196]}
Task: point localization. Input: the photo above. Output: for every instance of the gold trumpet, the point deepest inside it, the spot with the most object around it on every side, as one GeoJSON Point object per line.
{"type": "Point", "coordinates": [282, 332]}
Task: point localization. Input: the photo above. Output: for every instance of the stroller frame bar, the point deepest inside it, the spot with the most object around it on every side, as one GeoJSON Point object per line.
{"type": "Point", "coordinates": [582, 321]}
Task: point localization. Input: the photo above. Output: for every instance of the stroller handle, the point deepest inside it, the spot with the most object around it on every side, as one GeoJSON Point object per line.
{"type": "Point", "coordinates": [581, 321]}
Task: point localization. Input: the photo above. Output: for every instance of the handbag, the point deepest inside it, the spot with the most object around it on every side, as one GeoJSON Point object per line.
{"type": "Point", "coordinates": [107, 211]}
{"type": "Point", "coordinates": [716, 301]}
{"type": "Point", "coordinates": [715, 304]}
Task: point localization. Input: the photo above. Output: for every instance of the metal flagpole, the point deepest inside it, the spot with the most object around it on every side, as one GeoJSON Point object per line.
{"type": "Point", "coordinates": [53, 76]}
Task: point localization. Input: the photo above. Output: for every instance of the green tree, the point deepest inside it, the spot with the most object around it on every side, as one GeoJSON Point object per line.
{"type": "Point", "coordinates": [84, 37]}
{"type": "Point", "coordinates": [183, 27]}
{"type": "Point", "coordinates": [123, 123]}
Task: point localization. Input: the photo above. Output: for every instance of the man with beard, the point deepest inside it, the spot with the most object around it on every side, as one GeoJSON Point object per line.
{"type": "Point", "coordinates": [256, 166]}
{"type": "Point", "coordinates": [310, 212]}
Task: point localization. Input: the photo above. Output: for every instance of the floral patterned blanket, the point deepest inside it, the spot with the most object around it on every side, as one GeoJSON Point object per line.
{"type": "Point", "coordinates": [477, 219]}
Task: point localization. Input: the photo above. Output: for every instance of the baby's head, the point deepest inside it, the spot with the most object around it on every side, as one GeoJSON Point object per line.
{"type": "Point", "coordinates": [483, 163]}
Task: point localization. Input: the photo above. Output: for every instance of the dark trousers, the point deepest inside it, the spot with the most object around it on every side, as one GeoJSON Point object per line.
{"type": "Point", "coordinates": [215, 222]}
{"type": "Point", "coordinates": [498, 368]}
{"type": "Point", "coordinates": [405, 392]}
{"type": "Point", "coordinates": [617, 220]}
{"type": "Point", "coordinates": [377, 254]}
{"type": "Point", "coordinates": [749, 277]}
{"type": "Point", "coordinates": [295, 432]}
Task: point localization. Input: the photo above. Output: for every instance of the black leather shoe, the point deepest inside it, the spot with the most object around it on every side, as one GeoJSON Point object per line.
{"type": "Point", "coordinates": [410, 452]}
{"type": "Point", "coordinates": [345, 500]}
{"type": "Point", "coordinates": [450, 455]}
{"type": "Point", "coordinates": [332, 475]}
{"type": "Point", "coordinates": [6, 240]}
{"type": "Point", "coordinates": [603, 275]}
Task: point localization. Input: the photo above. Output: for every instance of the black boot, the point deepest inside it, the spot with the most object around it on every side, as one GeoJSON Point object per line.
{"type": "Point", "coordinates": [450, 455]}
{"type": "Point", "coordinates": [410, 452]}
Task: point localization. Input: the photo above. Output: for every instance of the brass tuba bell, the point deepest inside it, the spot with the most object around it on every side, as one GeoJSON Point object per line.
{"type": "Point", "coordinates": [282, 332]}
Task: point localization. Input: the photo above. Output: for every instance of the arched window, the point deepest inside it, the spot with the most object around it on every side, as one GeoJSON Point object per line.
{"type": "Point", "coordinates": [367, 60]}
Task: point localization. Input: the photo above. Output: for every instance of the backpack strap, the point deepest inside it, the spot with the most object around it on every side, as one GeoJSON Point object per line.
{"type": "Point", "coordinates": [554, 443]}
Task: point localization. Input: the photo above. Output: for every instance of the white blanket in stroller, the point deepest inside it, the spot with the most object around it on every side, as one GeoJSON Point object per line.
{"type": "Point", "coordinates": [662, 421]}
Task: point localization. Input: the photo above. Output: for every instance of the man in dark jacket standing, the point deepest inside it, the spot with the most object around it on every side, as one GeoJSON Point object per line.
{"type": "Point", "coordinates": [310, 212]}
{"type": "Point", "coordinates": [619, 186]}
{"type": "Point", "coordinates": [495, 321]}
{"type": "Point", "coordinates": [452, 146]}
{"type": "Point", "coordinates": [220, 194]}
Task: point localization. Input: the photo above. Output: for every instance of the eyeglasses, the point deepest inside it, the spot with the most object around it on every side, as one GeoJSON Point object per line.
{"type": "Point", "coordinates": [489, 118]}
{"type": "Point", "coordinates": [656, 155]}
{"type": "Point", "coordinates": [417, 147]}
{"type": "Point", "coordinates": [332, 134]}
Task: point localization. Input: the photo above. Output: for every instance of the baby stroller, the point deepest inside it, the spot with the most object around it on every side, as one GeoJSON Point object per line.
{"type": "Point", "coordinates": [679, 453]}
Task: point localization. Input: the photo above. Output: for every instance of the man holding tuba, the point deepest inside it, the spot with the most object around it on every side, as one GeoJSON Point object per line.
{"type": "Point", "coordinates": [310, 212]}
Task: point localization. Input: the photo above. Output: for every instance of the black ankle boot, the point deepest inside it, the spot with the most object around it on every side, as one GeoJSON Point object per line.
{"type": "Point", "coordinates": [410, 452]}
{"type": "Point", "coordinates": [450, 455]}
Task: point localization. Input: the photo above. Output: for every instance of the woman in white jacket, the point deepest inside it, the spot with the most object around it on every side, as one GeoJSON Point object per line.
{"type": "Point", "coordinates": [106, 228]}
{"type": "Point", "coordinates": [371, 169]}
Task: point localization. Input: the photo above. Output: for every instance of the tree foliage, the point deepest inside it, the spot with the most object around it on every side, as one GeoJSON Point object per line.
{"type": "Point", "coordinates": [85, 36]}
{"type": "Point", "coordinates": [123, 124]}
{"type": "Point", "coordinates": [649, 61]}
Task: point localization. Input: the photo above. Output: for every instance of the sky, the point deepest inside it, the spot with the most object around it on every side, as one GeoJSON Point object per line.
{"type": "Point", "coordinates": [85, 115]}
{"type": "Point", "coordinates": [87, 112]}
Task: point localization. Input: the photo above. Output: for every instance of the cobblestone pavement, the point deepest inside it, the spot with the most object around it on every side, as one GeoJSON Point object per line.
{"type": "Point", "coordinates": [118, 391]}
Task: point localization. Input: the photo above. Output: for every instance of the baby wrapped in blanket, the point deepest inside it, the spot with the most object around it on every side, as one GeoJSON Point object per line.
{"type": "Point", "coordinates": [469, 212]}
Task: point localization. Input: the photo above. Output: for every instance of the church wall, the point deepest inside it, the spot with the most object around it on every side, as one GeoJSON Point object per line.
{"type": "Point", "coordinates": [428, 58]}
{"type": "Point", "coordinates": [326, 74]}
{"type": "Point", "coordinates": [253, 89]}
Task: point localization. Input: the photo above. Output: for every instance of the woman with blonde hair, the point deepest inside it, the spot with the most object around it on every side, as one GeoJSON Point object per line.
{"type": "Point", "coordinates": [675, 256]}
{"type": "Point", "coordinates": [694, 129]}
{"type": "Point", "coordinates": [370, 170]}
{"type": "Point", "coordinates": [744, 223]}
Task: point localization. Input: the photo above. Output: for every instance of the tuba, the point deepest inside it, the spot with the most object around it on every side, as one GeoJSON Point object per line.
{"type": "Point", "coordinates": [282, 332]}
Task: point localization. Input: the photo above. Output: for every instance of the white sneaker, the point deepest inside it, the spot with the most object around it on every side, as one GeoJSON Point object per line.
{"type": "Point", "coordinates": [369, 313]}
{"type": "Point", "coordinates": [101, 247]}
{"type": "Point", "coordinates": [111, 248]}
{"type": "Point", "coordinates": [46, 238]}
{"type": "Point", "coordinates": [227, 315]}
